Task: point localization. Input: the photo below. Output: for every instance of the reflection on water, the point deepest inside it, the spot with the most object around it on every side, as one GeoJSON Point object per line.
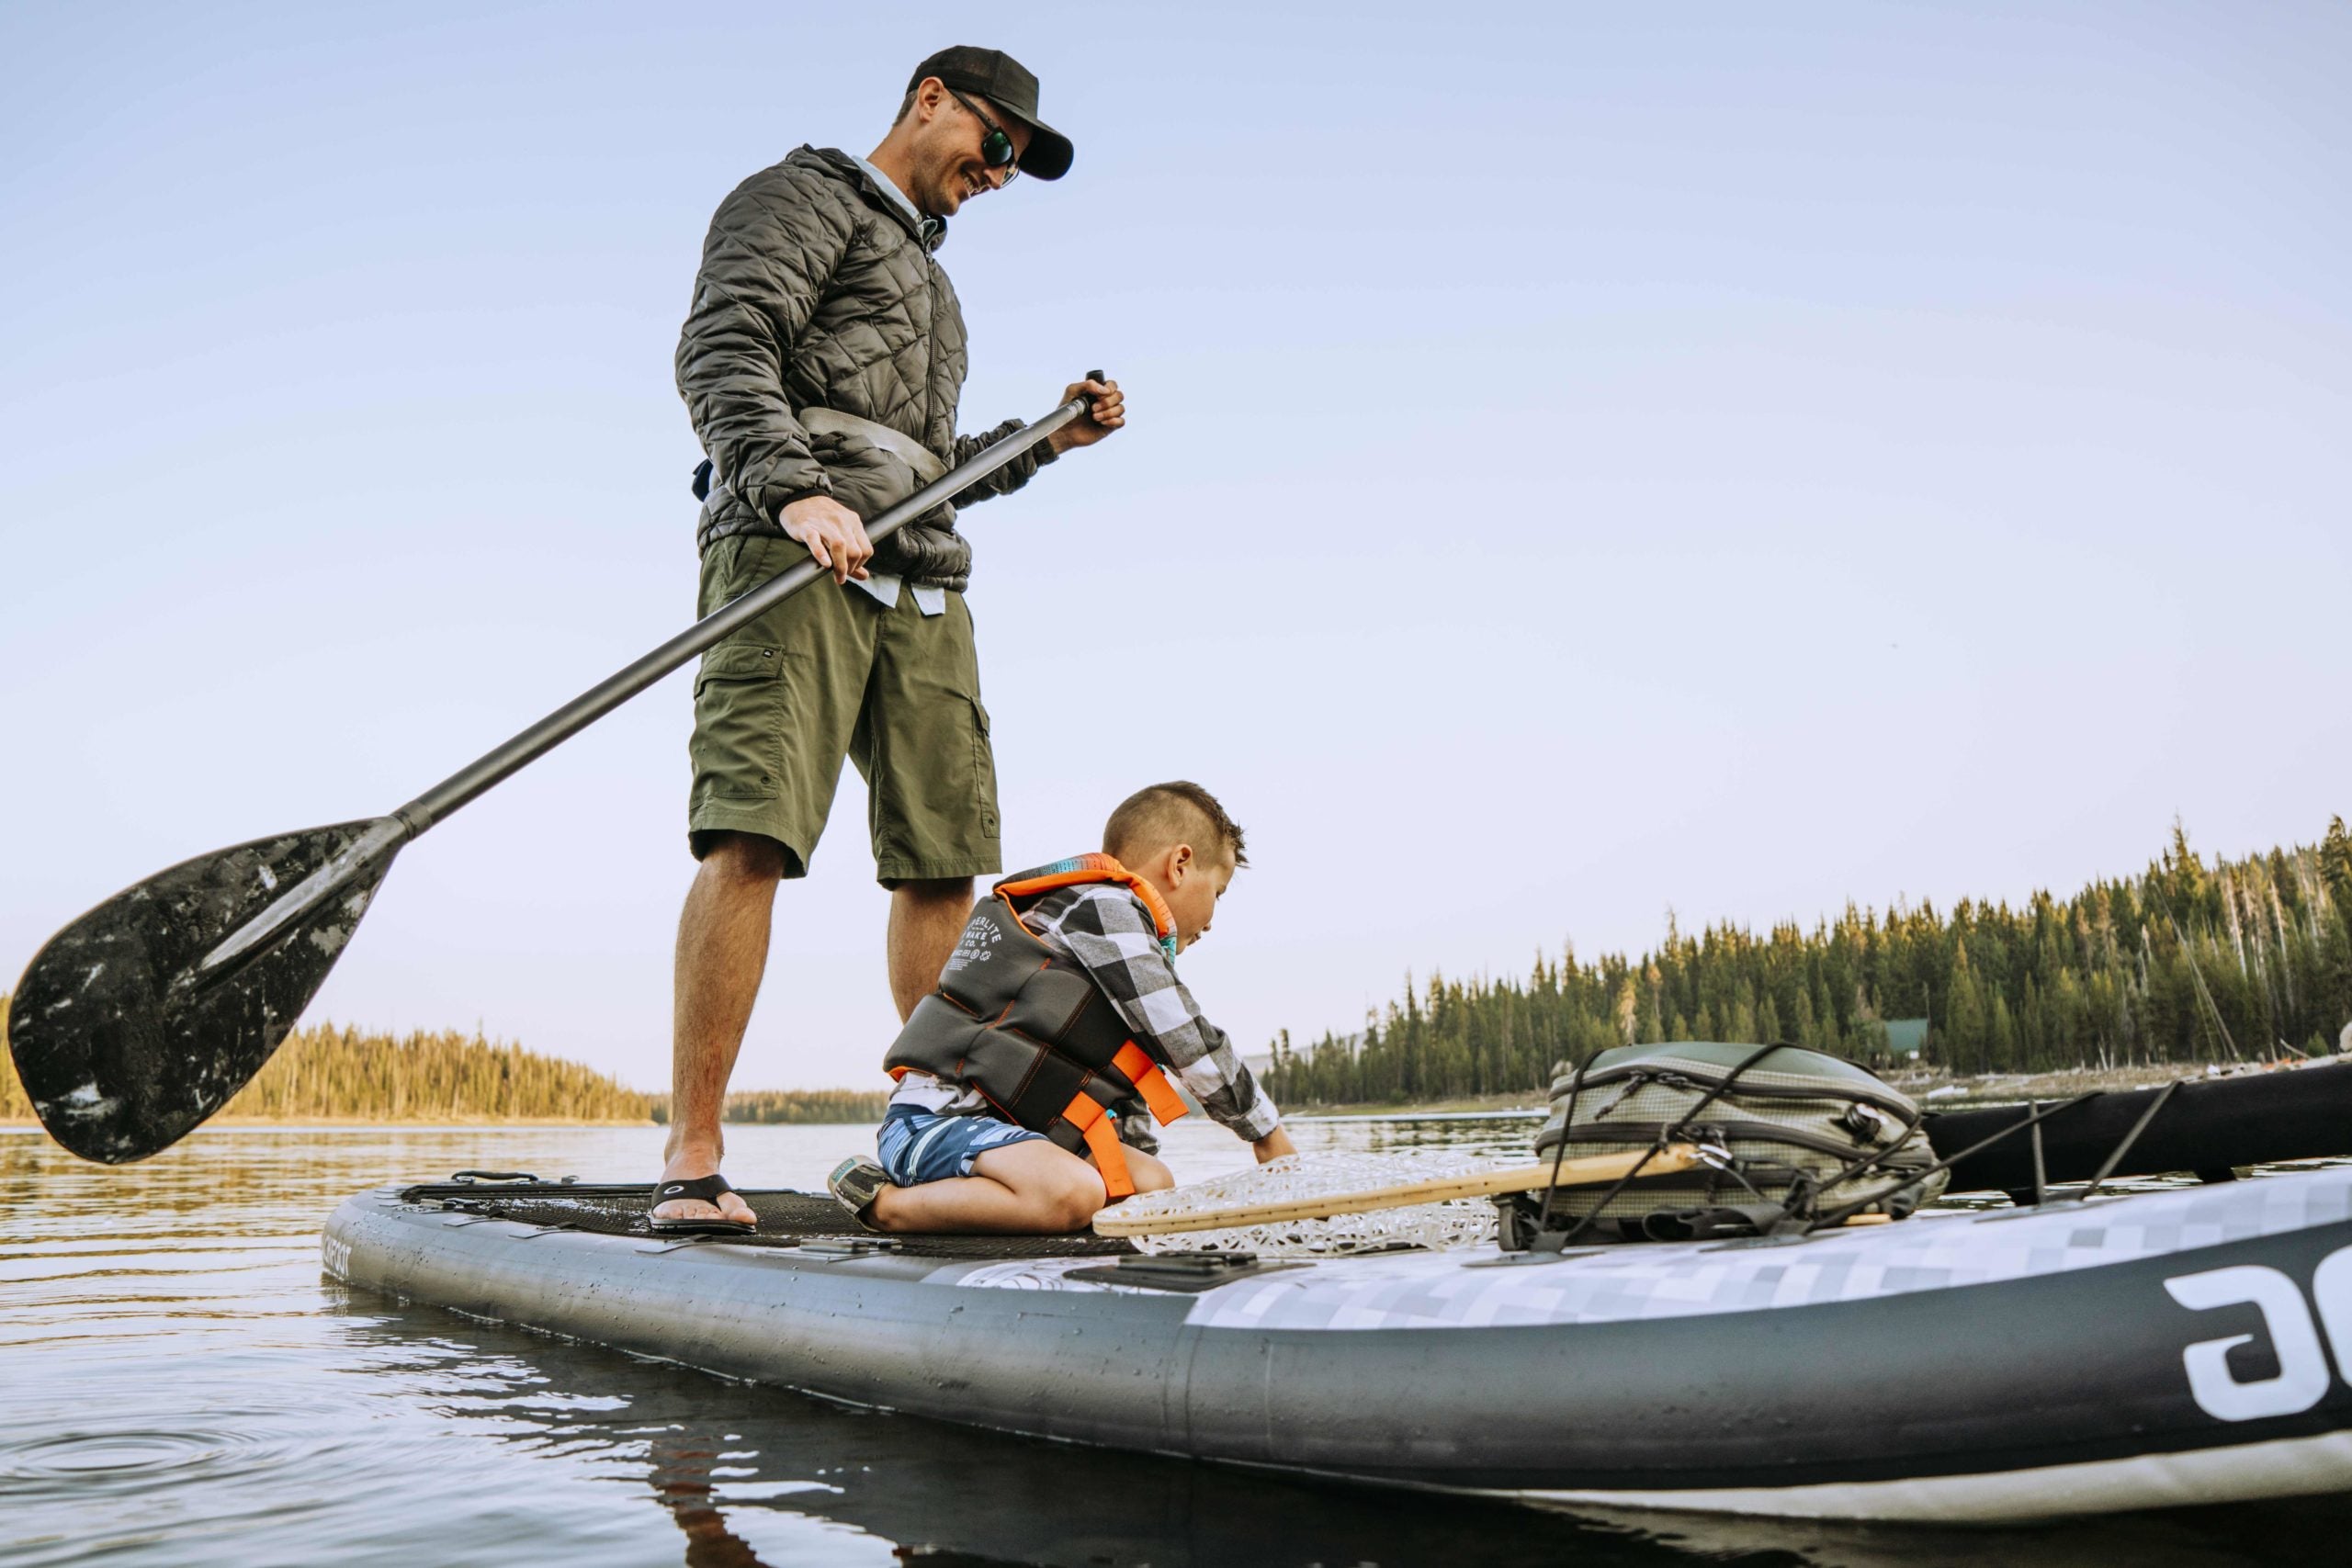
{"type": "Point", "coordinates": [178, 1385]}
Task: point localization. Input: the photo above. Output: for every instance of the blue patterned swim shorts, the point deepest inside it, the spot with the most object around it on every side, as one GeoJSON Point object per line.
{"type": "Point", "coordinates": [916, 1146]}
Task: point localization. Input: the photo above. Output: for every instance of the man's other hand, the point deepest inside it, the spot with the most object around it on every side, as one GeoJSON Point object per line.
{"type": "Point", "coordinates": [1110, 413]}
{"type": "Point", "coordinates": [833, 534]}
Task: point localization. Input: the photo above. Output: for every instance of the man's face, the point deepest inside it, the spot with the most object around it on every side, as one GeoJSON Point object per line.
{"type": "Point", "coordinates": [1194, 898]}
{"type": "Point", "coordinates": [949, 167]}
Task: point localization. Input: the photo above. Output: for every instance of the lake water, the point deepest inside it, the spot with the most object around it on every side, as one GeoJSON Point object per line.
{"type": "Point", "coordinates": [180, 1385]}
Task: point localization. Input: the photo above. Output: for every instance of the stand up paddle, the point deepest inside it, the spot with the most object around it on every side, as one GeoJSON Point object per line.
{"type": "Point", "coordinates": [144, 1017]}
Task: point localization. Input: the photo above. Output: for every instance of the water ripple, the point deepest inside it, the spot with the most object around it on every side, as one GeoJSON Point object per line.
{"type": "Point", "coordinates": [100, 1463]}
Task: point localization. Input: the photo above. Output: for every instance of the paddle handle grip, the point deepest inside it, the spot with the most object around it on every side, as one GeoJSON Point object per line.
{"type": "Point", "coordinates": [502, 761]}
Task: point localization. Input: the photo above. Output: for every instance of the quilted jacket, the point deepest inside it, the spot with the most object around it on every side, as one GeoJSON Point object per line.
{"type": "Point", "coordinates": [818, 290]}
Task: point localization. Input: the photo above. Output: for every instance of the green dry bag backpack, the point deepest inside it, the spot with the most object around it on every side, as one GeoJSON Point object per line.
{"type": "Point", "coordinates": [1789, 1136]}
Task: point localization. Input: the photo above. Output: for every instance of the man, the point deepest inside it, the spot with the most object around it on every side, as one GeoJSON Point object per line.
{"type": "Point", "coordinates": [820, 363]}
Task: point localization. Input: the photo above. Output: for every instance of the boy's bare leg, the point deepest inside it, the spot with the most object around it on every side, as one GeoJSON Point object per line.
{"type": "Point", "coordinates": [1029, 1188]}
{"type": "Point", "coordinates": [925, 920]}
{"type": "Point", "coordinates": [1017, 1188]}
{"type": "Point", "coordinates": [1148, 1172]}
{"type": "Point", "coordinates": [722, 953]}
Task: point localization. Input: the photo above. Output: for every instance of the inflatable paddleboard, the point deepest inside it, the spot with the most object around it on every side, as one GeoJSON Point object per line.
{"type": "Point", "coordinates": [2184, 1346]}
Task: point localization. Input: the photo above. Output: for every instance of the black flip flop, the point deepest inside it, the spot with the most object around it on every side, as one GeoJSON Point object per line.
{"type": "Point", "coordinates": [707, 1189]}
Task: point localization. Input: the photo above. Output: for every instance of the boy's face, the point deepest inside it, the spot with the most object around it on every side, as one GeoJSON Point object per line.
{"type": "Point", "coordinates": [1193, 885]}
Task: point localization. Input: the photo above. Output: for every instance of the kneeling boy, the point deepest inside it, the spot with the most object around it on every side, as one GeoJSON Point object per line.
{"type": "Point", "coordinates": [1046, 1038]}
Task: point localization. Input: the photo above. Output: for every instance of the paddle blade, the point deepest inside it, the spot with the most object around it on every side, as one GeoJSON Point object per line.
{"type": "Point", "coordinates": [119, 1054]}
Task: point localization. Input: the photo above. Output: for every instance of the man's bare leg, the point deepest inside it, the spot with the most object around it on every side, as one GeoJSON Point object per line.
{"type": "Point", "coordinates": [925, 920]}
{"type": "Point", "coordinates": [1031, 1188]}
{"type": "Point", "coordinates": [722, 953]}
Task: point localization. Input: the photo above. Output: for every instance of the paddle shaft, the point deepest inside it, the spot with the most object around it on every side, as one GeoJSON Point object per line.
{"type": "Point", "coordinates": [387, 834]}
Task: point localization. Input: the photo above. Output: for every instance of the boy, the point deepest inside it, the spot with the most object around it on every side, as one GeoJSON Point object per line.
{"type": "Point", "coordinates": [1020, 1079]}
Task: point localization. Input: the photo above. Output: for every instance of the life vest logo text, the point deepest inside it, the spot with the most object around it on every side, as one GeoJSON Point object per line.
{"type": "Point", "coordinates": [973, 946]}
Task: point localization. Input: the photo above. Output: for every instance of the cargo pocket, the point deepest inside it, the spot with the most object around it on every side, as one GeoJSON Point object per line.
{"type": "Point", "coordinates": [739, 723]}
{"type": "Point", "coordinates": [983, 771]}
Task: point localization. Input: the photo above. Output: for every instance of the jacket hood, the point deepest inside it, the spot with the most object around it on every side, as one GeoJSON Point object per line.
{"type": "Point", "coordinates": [840, 165]}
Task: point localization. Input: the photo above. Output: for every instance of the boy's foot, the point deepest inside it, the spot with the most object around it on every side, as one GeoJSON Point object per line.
{"type": "Point", "coordinates": [855, 1183]}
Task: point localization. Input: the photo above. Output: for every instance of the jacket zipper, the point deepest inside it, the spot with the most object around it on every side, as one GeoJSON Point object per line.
{"type": "Point", "coordinates": [931, 364]}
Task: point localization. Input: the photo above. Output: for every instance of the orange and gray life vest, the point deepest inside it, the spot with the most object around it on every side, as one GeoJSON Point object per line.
{"type": "Point", "coordinates": [1031, 1032]}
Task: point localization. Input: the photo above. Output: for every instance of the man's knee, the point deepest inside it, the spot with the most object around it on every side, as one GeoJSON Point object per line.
{"type": "Point", "coordinates": [743, 857]}
{"type": "Point", "coordinates": [935, 890]}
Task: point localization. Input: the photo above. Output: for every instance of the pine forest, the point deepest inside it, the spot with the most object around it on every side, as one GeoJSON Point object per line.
{"type": "Point", "coordinates": [334, 1073]}
{"type": "Point", "coordinates": [773, 1106]}
{"type": "Point", "coordinates": [331, 1073]}
{"type": "Point", "coordinates": [2189, 961]}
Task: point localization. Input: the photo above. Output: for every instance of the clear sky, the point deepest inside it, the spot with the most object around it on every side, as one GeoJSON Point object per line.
{"type": "Point", "coordinates": [1584, 460]}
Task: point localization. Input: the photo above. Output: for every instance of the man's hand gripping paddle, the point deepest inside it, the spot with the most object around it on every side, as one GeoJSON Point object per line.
{"type": "Point", "coordinates": [144, 1017]}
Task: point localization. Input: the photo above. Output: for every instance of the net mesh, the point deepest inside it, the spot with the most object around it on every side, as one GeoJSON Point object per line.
{"type": "Point", "coordinates": [1460, 1222]}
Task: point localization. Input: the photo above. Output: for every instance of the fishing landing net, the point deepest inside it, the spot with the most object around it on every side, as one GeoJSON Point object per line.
{"type": "Point", "coordinates": [1458, 1221]}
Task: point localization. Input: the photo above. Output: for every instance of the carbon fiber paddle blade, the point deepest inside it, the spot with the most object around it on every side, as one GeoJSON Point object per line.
{"type": "Point", "coordinates": [120, 1056]}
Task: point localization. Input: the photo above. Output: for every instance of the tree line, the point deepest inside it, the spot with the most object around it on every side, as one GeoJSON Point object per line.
{"type": "Point", "coordinates": [13, 1106]}
{"type": "Point", "coordinates": [2188, 962]}
{"type": "Point", "coordinates": [797, 1106]}
{"type": "Point", "coordinates": [353, 1074]}
{"type": "Point", "coordinates": [336, 1072]}
{"type": "Point", "coordinates": [342, 1073]}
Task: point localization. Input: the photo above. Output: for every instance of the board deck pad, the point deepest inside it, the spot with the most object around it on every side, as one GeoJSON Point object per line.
{"type": "Point", "coordinates": [788, 1218]}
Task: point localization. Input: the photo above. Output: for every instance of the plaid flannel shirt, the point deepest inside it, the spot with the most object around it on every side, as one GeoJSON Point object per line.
{"type": "Point", "coordinates": [1107, 931]}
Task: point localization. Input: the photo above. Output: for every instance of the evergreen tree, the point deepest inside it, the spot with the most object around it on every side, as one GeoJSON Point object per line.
{"type": "Point", "coordinates": [2179, 963]}
{"type": "Point", "coordinates": [335, 1072]}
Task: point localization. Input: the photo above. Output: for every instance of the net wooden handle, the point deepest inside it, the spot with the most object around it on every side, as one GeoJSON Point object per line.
{"type": "Point", "coordinates": [1589, 1171]}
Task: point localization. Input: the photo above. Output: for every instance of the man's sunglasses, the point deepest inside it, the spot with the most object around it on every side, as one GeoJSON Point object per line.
{"type": "Point", "coordinates": [996, 147]}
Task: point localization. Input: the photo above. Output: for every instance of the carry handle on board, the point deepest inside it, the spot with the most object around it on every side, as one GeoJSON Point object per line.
{"type": "Point", "coordinates": [146, 1015]}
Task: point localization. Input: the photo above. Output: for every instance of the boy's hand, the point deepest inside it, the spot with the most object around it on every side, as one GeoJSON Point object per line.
{"type": "Point", "coordinates": [1110, 413]}
{"type": "Point", "coordinates": [1274, 1146]}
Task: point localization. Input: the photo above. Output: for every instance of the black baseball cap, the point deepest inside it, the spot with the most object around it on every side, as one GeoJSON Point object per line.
{"type": "Point", "coordinates": [1006, 83]}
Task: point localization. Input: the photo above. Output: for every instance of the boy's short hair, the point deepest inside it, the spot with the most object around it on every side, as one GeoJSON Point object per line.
{"type": "Point", "coordinates": [1173, 813]}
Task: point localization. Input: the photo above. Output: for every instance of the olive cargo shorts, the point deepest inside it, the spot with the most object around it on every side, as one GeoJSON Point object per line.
{"type": "Point", "coordinates": [830, 673]}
